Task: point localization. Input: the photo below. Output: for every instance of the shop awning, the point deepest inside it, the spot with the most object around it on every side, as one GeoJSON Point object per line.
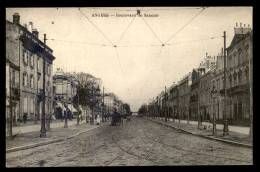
{"type": "Point", "coordinates": [71, 108]}
{"type": "Point", "coordinates": [62, 107]}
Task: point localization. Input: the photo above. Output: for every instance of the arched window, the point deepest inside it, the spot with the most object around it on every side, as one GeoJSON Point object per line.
{"type": "Point", "coordinates": [230, 80]}
{"type": "Point", "coordinates": [235, 78]}
{"type": "Point", "coordinates": [230, 62]}
{"type": "Point", "coordinates": [240, 76]}
{"type": "Point", "coordinates": [239, 56]}
{"type": "Point", "coordinates": [235, 59]}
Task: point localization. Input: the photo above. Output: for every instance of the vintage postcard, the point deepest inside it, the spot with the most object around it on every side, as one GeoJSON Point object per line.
{"type": "Point", "coordinates": [129, 86]}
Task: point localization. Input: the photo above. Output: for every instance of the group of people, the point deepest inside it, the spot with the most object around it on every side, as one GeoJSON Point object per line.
{"type": "Point", "coordinates": [201, 119]}
{"type": "Point", "coordinates": [118, 118]}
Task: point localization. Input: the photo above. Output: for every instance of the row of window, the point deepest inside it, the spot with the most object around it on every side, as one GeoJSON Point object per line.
{"type": "Point", "coordinates": [236, 58]}
{"type": "Point", "coordinates": [236, 78]}
{"type": "Point", "coordinates": [28, 81]}
{"type": "Point", "coordinates": [28, 59]}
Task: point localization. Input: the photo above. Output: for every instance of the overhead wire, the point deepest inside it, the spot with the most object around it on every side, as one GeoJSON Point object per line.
{"type": "Point", "coordinates": [186, 24]}
{"type": "Point", "coordinates": [151, 30]}
{"type": "Point", "coordinates": [80, 42]}
{"type": "Point", "coordinates": [125, 30]}
{"type": "Point", "coordinates": [120, 64]}
{"type": "Point", "coordinates": [194, 40]}
{"type": "Point", "coordinates": [123, 46]}
{"type": "Point", "coordinates": [96, 27]}
{"type": "Point", "coordinates": [152, 67]}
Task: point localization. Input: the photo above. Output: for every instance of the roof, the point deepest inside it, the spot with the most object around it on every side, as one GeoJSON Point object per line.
{"type": "Point", "coordinates": [238, 38]}
{"type": "Point", "coordinates": [12, 65]}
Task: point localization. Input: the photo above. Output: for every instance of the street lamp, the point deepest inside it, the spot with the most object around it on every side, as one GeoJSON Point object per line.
{"type": "Point", "coordinates": [214, 96]}
{"type": "Point", "coordinates": [66, 115]}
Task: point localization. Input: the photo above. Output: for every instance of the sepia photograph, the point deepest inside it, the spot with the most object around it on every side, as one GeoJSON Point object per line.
{"type": "Point", "coordinates": [128, 86]}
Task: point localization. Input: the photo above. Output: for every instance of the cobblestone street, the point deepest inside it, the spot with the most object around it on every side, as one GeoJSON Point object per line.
{"type": "Point", "coordinates": [140, 142]}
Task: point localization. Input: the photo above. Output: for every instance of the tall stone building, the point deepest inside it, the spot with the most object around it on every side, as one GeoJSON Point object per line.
{"type": "Point", "coordinates": [184, 96]}
{"type": "Point", "coordinates": [65, 90]}
{"type": "Point", "coordinates": [205, 100]}
{"type": "Point", "coordinates": [174, 92]}
{"type": "Point", "coordinates": [27, 50]}
{"type": "Point", "coordinates": [194, 92]}
{"type": "Point", "coordinates": [238, 55]}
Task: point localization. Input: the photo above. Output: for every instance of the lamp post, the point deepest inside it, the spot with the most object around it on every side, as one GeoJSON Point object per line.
{"type": "Point", "coordinates": [214, 96]}
{"type": "Point", "coordinates": [43, 129]}
{"type": "Point", "coordinates": [225, 129]}
{"type": "Point", "coordinates": [103, 105]}
{"type": "Point", "coordinates": [66, 118]}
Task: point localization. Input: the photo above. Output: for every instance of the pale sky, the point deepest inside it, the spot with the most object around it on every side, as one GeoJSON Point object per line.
{"type": "Point", "coordinates": [139, 73]}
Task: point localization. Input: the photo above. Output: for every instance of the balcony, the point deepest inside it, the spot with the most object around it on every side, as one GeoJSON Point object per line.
{"type": "Point", "coordinates": [236, 89]}
{"type": "Point", "coordinates": [16, 94]}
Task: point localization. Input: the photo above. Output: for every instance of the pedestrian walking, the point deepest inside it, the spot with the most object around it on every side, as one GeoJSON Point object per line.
{"type": "Point", "coordinates": [24, 117]}
{"type": "Point", "coordinates": [208, 117]}
{"type": "Point", "coordinates": [201, 118]}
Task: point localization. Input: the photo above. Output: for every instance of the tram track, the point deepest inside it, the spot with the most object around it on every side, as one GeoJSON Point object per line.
{"type": "Point", "coordinates": [190, 151]}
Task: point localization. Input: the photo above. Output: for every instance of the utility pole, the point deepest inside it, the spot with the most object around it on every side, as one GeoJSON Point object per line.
{"type": "Point", "coordinates": [43, 129]}
{"type": "Point", "coordinates": [165, 105]}
{"type": "Point", "coordinates": [10, 103]}
{"type": "Point", "coordinates": [103, 105]}
{"type": "Point", "coordinates": [78, 108]}
{"type": "Point", "coordinates": [225, 129]}
{"type": "Point", "coordinates": [92, 106]}
{"type": "Point", "coordinates": [66, 114]}
{"type": "Point", "coordinates": [250, 90]}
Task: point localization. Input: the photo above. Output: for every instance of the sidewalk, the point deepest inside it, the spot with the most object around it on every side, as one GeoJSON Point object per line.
{"type": "Point", "coordinates": [236, 138]}
{"type": "Point", "coordinates": [30, 126]}
{"type": "Point", "coordinates": [31, 136]}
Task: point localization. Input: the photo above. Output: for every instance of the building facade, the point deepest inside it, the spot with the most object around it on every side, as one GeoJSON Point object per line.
{"type": "Point", "coordinates": [239, 53]}
{"type": "Point", "coordinates": [205, 100]}
{"type": "Point", "coordinates": [29, 51]}
{"type": "Point", "coordinates": [194, 92]}
{"type": "Point", "coordinates": [184, 97]}
{"type": "Point", "coordinates": [65, 91]}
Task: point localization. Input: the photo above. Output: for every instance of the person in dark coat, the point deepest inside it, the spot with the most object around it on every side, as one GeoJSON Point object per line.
{"type": "Point", "coordinates": [24, 117]}
{"type": "Point", "coordinates": [208, 117]}
{"type": "Point", "coordinates": [201, 118]}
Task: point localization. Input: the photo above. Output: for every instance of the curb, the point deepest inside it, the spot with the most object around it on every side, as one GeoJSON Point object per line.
{"type": "Point", "coordinates": [47, 142]}
{"type": "Point", "coordinates": [207, 137]}
{"type": "Point", "coordinates": [33, 145]}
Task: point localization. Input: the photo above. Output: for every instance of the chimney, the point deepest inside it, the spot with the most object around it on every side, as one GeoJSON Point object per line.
{"type": "Point", "coordinates": [206, 54]}
{"type": "Point", "coordinates": [30, 26]}
{"type": "Point", "coordinates": [240, 24]}
{"type": "Point", "coordinates": [35, 33]}
{"type": "Point", "coordinates": [236, 25]}
{"type": "Point", "coordinates": [16, 18]}
{"type": "Point", "coordinates": [222, 51]}
{"type": "Point", "coordinates": [248, 25]}
{"type": "Point", "coordinates": [244, 25]}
